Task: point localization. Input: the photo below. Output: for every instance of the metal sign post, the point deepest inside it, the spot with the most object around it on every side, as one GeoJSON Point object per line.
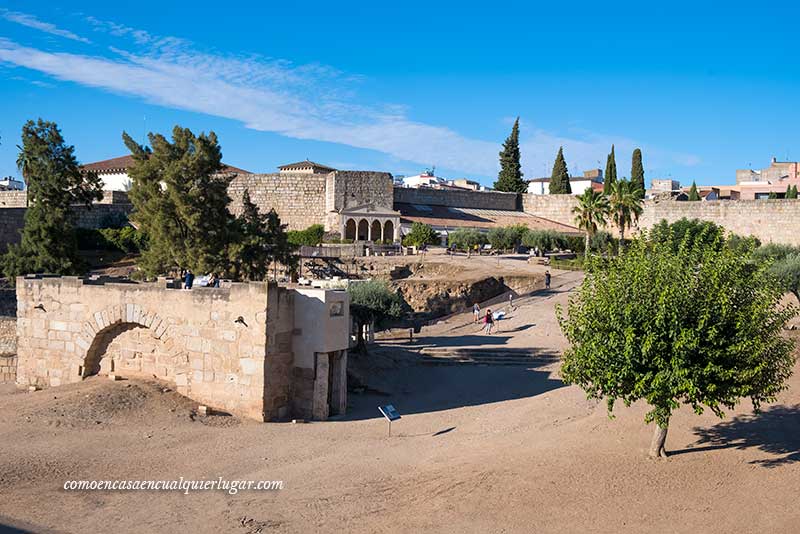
{"type": "Point", "coordinates": [390, 413]}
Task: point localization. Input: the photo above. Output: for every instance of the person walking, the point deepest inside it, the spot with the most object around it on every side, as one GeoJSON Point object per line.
{"type": "Point", "coordinates": [547, 279]}
{"type": "Point", "coordinates": [188, 280]}
{"type": "Point", "coordinates": [511, 301]}
{"type": "Point", "coordinates": [476, 312]}
{"type": "Point", "coordinates": [488, 322]}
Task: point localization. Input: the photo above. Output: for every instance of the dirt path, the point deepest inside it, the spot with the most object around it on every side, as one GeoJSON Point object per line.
{"type": "Point", "coordinates": [479, 449]}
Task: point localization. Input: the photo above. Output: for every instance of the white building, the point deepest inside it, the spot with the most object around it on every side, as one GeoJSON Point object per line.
{"type": "Point", "coordinates": [425, 179]}
{"type": "Point", "coordinates": [591, 179]}
{"type": "Point", "coordinates": [10, 183]}
{"type": "Point", "coordinates": [114, 172]}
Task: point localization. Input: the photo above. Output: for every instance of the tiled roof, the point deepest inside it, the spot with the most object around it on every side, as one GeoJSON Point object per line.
{"type": "Point", "coordinates": [123, 163]}
{"type": "Point", "coordinates": [448, 217]}
{"type": "Point", "coordinates": [306, 163]}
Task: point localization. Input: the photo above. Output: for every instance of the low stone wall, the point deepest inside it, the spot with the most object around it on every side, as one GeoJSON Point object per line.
{"type": "Point", "coordinates": [8, 369]}
{"type": "Point", "coordinates": [13, 199]}
{"type": "Point", "coordinates": [8, 335]}
{"type": "Point", "coordinates": [490, 200]}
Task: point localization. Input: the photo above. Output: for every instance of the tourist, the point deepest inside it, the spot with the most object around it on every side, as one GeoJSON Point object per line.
{"type": "Point", "coordinates": [476, 311]}
{"type": "Point", "coordinates": [188, 279]}
{"type": "Point", "coordinates": [488, 322]}
{"type": "Point", "coordinates": [213, 281]}
{"type": "Point", "coordinates": [510, 300]}
{"type": "Point", "coordinates": [547, 280]}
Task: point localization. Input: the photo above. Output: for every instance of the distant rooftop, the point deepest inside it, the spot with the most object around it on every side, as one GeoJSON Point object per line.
{"type": "Point", "coordinates": [123, 163]}
{"type": "Point", "coordinates": [306, 166]}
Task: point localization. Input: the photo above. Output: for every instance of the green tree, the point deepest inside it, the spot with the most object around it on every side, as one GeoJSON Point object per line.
{"type": "Point", "coordinates": [55, 183]}
{"type": "Point", "coordinates": [787, 272]}
{"type": "Point", "coordinates": [545, 240]}
{"type": "Point", "coordinates": [611, 172]}
{"type": "Point", "coordinates": [701, 327]}
{"type": "Point", "coordinates": [506, 238]}
{"type": "Point", "coordinates": [311, 236]}
{"type": "Point", "coordinates": [772, 195]}
{"type": "Point", "coordinates": [180, 201]}
{"type": "Point", "coordinates": [788, 193]}
{"type": "Point", "coordinates": [693, 194]}
{"type": "Point", "coordinates": [590, 214]}
{"type": "Point", "coordinates": [466, 239]}
{"type": "Point", "coordinates": [692, 231]}
{"type": "Point", "coordinates": [559, 180]}
{"type": "Point", "coordinates": [258, 241]}
{"type": "Point", "coordinates": [794, 191]}
{"type": "Point", "coordinates": [510, 177]}
{"type": "Point", "coordinates": [626, 206]}
{"type": "Point", "coordinates": [637, 173]}
{"type": "Point", "coordinates": [373, 302]}
{"type": "Point", "coordinates": [421, 234]}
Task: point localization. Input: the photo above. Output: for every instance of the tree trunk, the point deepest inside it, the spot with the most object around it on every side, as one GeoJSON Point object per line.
{"type": "Point", "coordinates": [659, 438]}
{"type": "Point", "coordinates": [586, 247]}
{"type": "Point", "coordinates": [621, 238]}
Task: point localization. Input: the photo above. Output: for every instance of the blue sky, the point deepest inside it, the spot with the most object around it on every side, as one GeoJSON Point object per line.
{"type": "Point", "coordinates": [703, 88]}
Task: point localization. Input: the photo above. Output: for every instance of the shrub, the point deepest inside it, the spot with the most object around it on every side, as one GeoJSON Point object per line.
{"type": "Point", "coordinates": [311, 236]}
{"type": "Point", "coordinates": [466, 238]}
{"type": "Point", "coordinates": [127, 239]}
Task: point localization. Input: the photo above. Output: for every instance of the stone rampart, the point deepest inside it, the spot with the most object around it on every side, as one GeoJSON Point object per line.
{"type": "Point", "coordinates": [229, 348]}
{"type": "Point", "coordinates": [13, 199]}
{"type": "Point", "coordinates": [490, 200]}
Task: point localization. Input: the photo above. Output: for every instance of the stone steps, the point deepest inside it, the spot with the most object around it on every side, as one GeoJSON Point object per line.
{"type": "Point", "coordinates": [485, 356]}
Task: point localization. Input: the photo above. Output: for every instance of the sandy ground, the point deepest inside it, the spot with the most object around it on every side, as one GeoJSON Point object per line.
{"type": "Point", "coordinates": [479, 449]}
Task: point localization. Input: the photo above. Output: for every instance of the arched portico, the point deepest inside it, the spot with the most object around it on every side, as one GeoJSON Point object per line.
{"type": "Point", "coordinates": [369, 223]}
{"type": "Point", "coordinates": [350, 230]}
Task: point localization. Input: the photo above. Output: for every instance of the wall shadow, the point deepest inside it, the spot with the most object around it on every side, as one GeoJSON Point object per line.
{"type": "Point", "coordinates": [775, 430]}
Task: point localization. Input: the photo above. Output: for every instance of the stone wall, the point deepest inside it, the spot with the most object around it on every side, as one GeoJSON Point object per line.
{"type": "Point", "coordinates": [13, 199]}
{"type": "Point", "coordinates": [229, 348]}
{"type": "Point", "coordinates": [553, 207]}
{"type": "Point", "coordinates": [12, 221]}
{"type": "Point", "coordinates": [8, 335]}
{"type": "Point", "coordinates": [8, 369]}
{"type": "Point", "coordinates": [768, 220]}
{"type": "Point", "coordinates": [490, 200]}
{"type": "Point", "coordinates": [298, 198]}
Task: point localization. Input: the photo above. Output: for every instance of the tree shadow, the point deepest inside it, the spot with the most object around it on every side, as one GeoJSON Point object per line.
{"type": "Point", "coordinates": [775, 430]}
{"type": "Point", "coordinates": [416, 389]}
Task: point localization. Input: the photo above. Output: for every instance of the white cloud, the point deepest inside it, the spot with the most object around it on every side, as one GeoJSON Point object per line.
{"type": "Point", "coordinates": [32, 22]}
{"type": "Point", "coordinates": [303, 102]}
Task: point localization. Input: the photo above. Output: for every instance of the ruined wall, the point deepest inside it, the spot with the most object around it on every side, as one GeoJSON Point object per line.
{"type": "Point", "coordinates": [71, 328]}
{"type": "Point", "coordinates": [12, 221]}
{"type": "Point", "coordinates": [298, 198]}
{"type": "Point", "coordinates": [13, 199]}
{"type": "Point", "coordinates": [769, 220]}
{"type": "Point", "coordinates": [8, 369]}
{"type": "Point", "coordinates": [490, 200]}
{"type": "Point", "coordinates": [348, 189]}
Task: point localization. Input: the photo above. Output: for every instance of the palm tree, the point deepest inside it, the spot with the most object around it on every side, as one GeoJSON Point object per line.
{"type": "Point", "coordinates": [626, 206]}
{"type": "Point", "coordinates": [590, 213]}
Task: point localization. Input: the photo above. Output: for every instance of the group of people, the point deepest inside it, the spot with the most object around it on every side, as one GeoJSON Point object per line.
{"type": "Point", "coordinates": [187, 276]}
{"type": "Point", "coordinates": [488, 317]}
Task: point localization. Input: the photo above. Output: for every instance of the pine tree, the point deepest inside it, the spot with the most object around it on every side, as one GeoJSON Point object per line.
{"type": "Point", "coordinates": [54, 184]}
{"type": "Point", "coordinates": [559, 181]}
{"type": "Point", "coordinates": [693, 194]}
{"type": "Point", "coordinates": [611, 173]}
{"type": "Point", "coordinates": [259, 240]}
{"type": "Point", "coordinates": [510, 177]}
{"type": "Point", "coordinates": [637, 173]}
{"type": "Point", "coordinates": [181, 202]}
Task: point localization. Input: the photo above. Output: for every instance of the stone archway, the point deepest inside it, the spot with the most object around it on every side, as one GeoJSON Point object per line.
{"type": "Point", "coordinates": [350, 229]}
{"type": "Point", "coordinates": [363, 230]}
{"type": "Point", "coordinates": [388, 231]}
{"type": "Point", "coordinates": [375, 231]}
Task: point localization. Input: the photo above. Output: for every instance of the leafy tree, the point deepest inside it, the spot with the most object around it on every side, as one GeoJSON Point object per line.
{"type": "Point", "coordinates": [637, 173]}
{"type": "Point", "coordinates": [54, 184]}
{"type": "Point", "coordinates": [510, 177]}
{"type": "Point", "coordinates": [626, 206]}
{"type": "Point", "coordinates": [590, 213]}
{"type": "Point", "coordinates": [373, 302]}
{"type": "Point", "coordinates": [700, 327]}
{"type": "Point", "coordinates": [559, 180]}
{"type": "Point", "coordinates": [611, 172]}
{"type": "Point", "coordinates": [773, 252]}
{"type": "Point", "coordinates": [506, 238]}
{"type": "Point", "coordinates": [180, 201]}
{"type": "Point", "coordinates": [421, 234]}
{"type": "Point", "coordinates": [545, 240]}
{"type": "Point", "coordinates": [693, 194]}
{"type": "Point", "coordinates": [311, 236]}
{"type": "Point", "coordinates": [466, 239]}
{"type": "Point", "coordinates": [787, 272]}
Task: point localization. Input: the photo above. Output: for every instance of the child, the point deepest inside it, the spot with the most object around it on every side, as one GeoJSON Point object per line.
{"type": "Point", "coordinates": [476, 312]}
{"type": "Point", "coordinates": [488, 321]}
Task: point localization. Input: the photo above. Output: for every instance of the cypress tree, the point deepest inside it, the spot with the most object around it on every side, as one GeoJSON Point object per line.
{"type": "Point", "coordinates": [788, 193]}
{"type": "Point", "coordinates": [181, 202]}
{"type": "Point", "coordinates": [510, 177]}
{"type": "Point", "coordinates": [637, 172]}
{"type": "Point", "coordinates": [55, 183]}
{"type": "Point", "coordinates": [794, 191]}
{"type": "Point", "coordinates": [611, 173]}
{"type": "Point", "coordinates": [693, 194]}
{"type": "Point", "coordinates": [559, 180]}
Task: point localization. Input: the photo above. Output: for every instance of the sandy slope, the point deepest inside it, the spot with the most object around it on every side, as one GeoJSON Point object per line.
{"type": "Point", "coordinates": [479, 449]}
